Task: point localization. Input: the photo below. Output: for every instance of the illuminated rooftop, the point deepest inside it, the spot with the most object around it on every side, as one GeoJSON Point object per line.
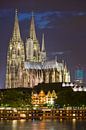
{"type": "Point", "coordinates": [46, 65]}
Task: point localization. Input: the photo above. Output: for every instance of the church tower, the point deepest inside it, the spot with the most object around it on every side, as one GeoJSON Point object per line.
{"type": "Point", "coordinates": [43, 51]}
{"type": "Point", "coordinates": [32, 45]}
{"type": "Point", "coordinates": [15, 58]}
{"type": "Point", "coordinates": [32, 29]}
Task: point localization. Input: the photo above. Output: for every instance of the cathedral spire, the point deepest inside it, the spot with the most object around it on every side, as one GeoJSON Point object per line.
{"type": "Point", "coordinates": [43, 52]}
{"type": "Point", "coordinates": [43, 44]}
{"type": "Point", "coordinates": [65, 67]}
{"type": "Point", "coordinates": [15, 59]}
{"type": "Point", "coordinates": [32, 29]}
{"type": "Point", "coordinates": [16, 30]}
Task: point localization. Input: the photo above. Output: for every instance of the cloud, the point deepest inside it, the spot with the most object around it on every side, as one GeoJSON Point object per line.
{"type": "Point", "coordinates": [57, 53]}
{"type": "Point", "coordinates": [49, 19]}
{"type": "Point", "coordinates": [42, 19]}
{"type": "Point", "coordinates": [23, 16]}
{"type": "Point", "coordinates": [61, 52]}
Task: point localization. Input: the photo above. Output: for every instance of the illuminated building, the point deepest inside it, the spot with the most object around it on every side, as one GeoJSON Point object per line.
{"type": "Point", "coordinates": [50, 97]}
{"type": "Point", "coordinates": [47, 72]}
{"type": "Point", "coordinates": [79, 75]}
{"type": "Point", "coordinates": [32, 45]}
{"type": "Point", "coordinates": [15, 59]}
{"type": "Point", "coordinates": [41, 98]}
{"type": "Point", "coordinates": [27, 65]}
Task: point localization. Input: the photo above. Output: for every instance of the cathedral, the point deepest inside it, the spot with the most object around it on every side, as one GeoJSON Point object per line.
{"type": "Point", "coordinates": [27, 63]}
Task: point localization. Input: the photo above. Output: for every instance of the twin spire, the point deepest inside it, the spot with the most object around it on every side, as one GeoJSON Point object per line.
{"type": "Point", "coordinates": [33, 33]}
{"type": "Point", "coordinates": [16, 30]}
{"type": "Point", "coordinates": [32, 29]}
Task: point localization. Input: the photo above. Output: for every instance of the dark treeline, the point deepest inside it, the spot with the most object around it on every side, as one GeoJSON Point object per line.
{"type": "Point", "coordinates": [15, 97]}
{"type": "Point", "coordinates": [21, 97]}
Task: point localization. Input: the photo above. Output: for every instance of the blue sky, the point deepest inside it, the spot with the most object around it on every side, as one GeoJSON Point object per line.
{"type": "Point", "coordinates": [43, 19]}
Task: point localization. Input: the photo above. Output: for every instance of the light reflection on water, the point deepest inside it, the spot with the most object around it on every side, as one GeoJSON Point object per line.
{"type": "Point", "coordinates": [14, 124]}
{"type": "Point", "coordinates": [42, 125]}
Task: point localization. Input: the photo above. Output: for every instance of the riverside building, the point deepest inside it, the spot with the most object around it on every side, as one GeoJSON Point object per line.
{"type": "Point", "coordinates": [27, 64]}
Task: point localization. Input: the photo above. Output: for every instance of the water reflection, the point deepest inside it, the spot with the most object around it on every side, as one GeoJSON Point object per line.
{"type": "Point", "coordinates": [74, 124]}
{"type": "Point", "coordinates": [43, 125]}
{"type": "Point", "coordinates": [14, 124]}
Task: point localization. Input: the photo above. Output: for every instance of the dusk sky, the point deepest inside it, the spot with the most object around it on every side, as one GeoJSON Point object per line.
{"type": "Point", "coordinates": [62, 21]}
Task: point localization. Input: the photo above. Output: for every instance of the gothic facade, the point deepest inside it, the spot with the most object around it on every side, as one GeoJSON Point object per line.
{"type": "Point", "coordinates": [27, 64]}
{"type": "Point", "coordinates": [41, 99]}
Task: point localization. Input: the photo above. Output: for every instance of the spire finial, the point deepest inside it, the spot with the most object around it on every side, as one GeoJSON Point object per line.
{"type": "Point", "coordinates": [32, 14]}
{"type": "Point", "coordinates": [16, 31]}
{"type": "Point", "coordinates": [16, 11]}
{"type": "Point", "coordinates": [32, 29]}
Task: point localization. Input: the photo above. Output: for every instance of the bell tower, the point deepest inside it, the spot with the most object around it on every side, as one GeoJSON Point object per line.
{"type": "Point", "coordinates": [15, 58]}
{"type": "Point", "coordinates": [36, 46]}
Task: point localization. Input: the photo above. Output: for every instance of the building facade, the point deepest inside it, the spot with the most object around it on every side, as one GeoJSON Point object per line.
{"type": "Point", "coordinates": [79, 75]}
{"type": "Point", "coordinates": [41, 99]}
{"type": "Point", "coordinates": [15, 58]}
{"type": "Point", "coordinates": [27, 64]}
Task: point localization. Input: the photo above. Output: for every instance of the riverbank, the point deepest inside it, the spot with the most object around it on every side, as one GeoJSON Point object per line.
{"type": "Point", "coordinates": [19, 113]}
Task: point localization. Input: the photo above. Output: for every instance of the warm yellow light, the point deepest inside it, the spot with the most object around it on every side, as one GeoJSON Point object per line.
{"type": "Point", "coordinates": [22, 115]}
{"type": "Point", "coordinates": [60, 120]}
{"type": "Point", "coordinates": [14, 124]}
{"type": "Point", "coordinates": [22, 120]}
{"type": "Point", "coordinates": [74, 120]}
{"type": "Point", "coordinates": [14, 109]}
{"type": "Point", "coordinates": [73, 114]}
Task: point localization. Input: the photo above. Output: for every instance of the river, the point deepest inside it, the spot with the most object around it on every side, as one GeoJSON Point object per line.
{"type": "Point", "coordinates": [42, 125]}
